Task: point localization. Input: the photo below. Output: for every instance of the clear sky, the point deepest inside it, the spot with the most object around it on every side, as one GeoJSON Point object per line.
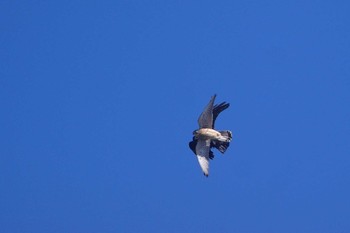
{"type": "Point", "coordinates": [99, 100]}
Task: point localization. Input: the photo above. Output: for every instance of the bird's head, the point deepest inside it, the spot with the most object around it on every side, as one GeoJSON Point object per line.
{"type": "Point", "coordinates": [195, 133]}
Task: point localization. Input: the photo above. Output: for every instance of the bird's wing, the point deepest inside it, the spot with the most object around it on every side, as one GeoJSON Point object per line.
{"type": "Point", "coordinates": [218, 108]}
{"type": "Point", "coordinates": [205, 120]}
{"type": "Point", "coordinates": [192, 144]}
{"type": "Point", "coordinates": [202, 152]}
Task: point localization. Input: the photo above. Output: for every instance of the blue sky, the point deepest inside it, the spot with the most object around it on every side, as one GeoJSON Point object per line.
{"type": "Point", "coordinates": [99, 100]}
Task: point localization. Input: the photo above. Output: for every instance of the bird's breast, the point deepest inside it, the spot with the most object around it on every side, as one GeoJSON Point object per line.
{"type": "Point", "coordinates": [207, 133]}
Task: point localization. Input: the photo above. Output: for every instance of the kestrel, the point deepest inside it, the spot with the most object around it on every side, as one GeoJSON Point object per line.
{"type": "Point", "coordinates": [206, 137]}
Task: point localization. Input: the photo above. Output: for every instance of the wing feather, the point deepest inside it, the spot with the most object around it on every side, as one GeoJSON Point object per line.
{"type": "Point", "coordinates": [202, 152]}
{"type": "Point", "coordinates": [205, 120]}
{"type": "Point", "coordinates": [218, 108]}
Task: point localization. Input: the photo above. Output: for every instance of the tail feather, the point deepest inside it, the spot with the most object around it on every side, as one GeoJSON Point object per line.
{"type": "Point", "coordinates": [226, 133]}
{"type": "Point", "coordinates": [225, 136]}
{"type": "Point", "coordinates": [223, 145]}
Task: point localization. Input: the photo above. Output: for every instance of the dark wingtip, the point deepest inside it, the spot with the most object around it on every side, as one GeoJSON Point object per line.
{"type": "Point", "coordinates": [211, 155]}
{"type": "Point", "coordinates": [206, 175]}
{"type": "Point", "coordinates": [192, 144]}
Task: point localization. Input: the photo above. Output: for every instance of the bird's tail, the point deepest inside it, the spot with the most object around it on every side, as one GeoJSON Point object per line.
{"type": "Point", "coordinates": [223, 144]}
{"type": "Point", "coordinates": [226, 136]}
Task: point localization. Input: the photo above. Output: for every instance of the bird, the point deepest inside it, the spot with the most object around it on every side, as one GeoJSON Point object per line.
{"type": "Point", "coordinates": [221, 146]}
{"type": "Point", "coordinates": [206, 137]}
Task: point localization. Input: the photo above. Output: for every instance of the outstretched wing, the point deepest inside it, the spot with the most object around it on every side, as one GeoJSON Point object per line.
{"type": "Point", "coordinates": [205, 120]}
{"type": "Point", "coordinates": [202, 152]}
{"type": "Point", "coordinates": [192, 144]}
{"type": "Point", "coordinates": [218, 108]}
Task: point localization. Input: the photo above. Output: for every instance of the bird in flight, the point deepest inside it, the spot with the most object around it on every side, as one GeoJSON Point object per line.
{"type": "Point", "coordinates": [206, 137]}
